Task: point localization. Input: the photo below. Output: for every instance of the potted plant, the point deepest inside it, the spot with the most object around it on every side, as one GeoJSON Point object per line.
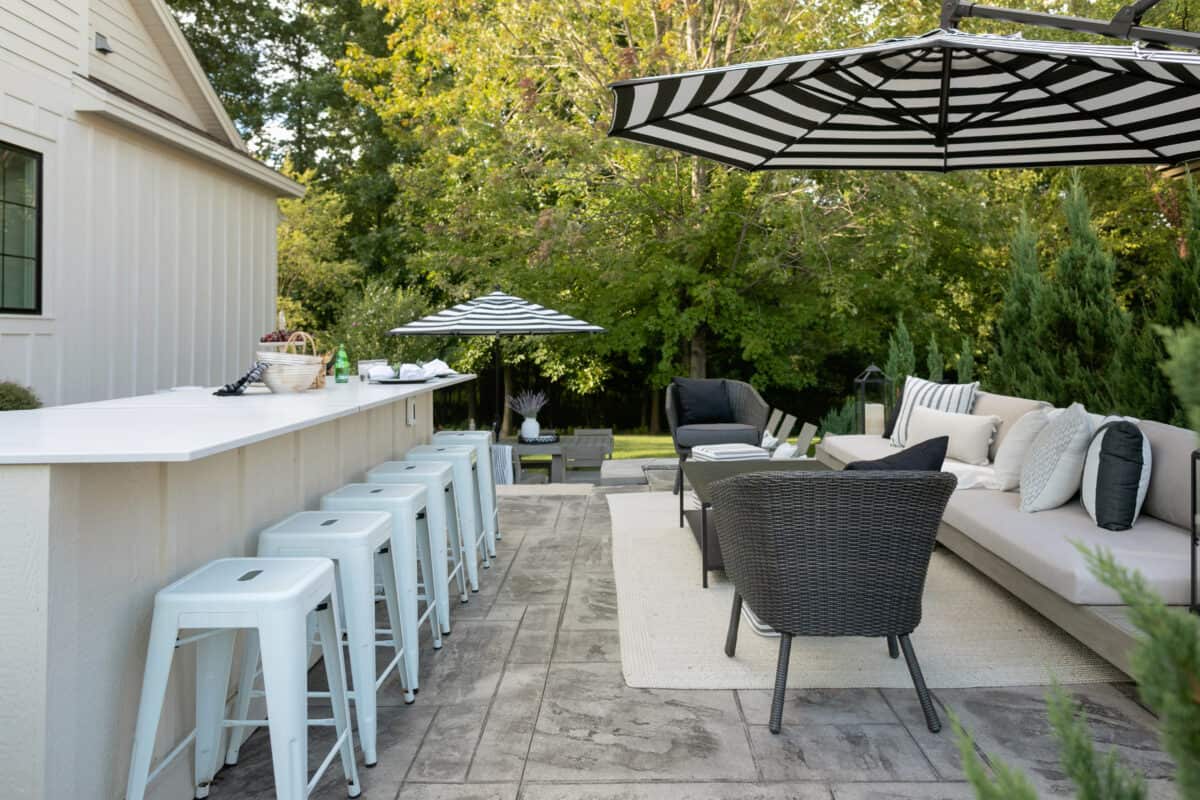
{"type": "Point", "coordinates": [528, 404]}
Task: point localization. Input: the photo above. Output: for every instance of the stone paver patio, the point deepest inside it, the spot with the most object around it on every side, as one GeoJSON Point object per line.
{"type": "Point", "coordinates": [526, 700]}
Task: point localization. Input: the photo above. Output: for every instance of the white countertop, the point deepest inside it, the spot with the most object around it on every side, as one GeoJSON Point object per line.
{"type": "Point", "coordinates": [184, 424]}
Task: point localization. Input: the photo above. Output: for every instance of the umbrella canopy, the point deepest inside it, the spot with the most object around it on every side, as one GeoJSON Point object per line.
{"type": "Point", "coordinates": [495, 314]}
{"type": "Point", "coordinates": [939, 102]}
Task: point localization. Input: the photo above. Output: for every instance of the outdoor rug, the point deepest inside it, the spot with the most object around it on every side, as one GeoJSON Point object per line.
{"type": "Point", "coordinates": [973, 633]}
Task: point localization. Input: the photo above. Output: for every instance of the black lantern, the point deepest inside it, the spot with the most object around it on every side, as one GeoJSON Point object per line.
{"type": "Point", "coordinates": [870, 387]}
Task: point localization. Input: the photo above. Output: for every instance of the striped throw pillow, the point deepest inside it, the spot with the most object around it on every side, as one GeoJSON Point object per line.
{"type": "Point", "coordinates": [955, 398]}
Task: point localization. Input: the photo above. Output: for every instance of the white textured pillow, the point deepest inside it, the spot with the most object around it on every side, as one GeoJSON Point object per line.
{"type": "Point", "coordinates": [970, 435]}
{"type": "Point", "coordinates": [1053, 468]}
{"type": "Point", "coordinates": [1012, 451]}
{"type": "Point", "coordinates": [956, 398]}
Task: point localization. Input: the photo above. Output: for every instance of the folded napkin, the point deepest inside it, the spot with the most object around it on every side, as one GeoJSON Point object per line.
{"type": "Point", "coordinates": [436, 367]}
{"type": "Point", "coordinates": [381, 371]}
{"type": "Point", "coordinates": [410, 372]}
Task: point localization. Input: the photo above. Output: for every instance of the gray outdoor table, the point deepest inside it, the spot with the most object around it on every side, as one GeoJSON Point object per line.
{"type": "Point", "coordinates": [703, 474]}
{"type": "Point", "coordinates": [558, 467]}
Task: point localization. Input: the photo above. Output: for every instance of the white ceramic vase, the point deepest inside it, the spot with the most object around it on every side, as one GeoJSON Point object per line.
{"type": "Point", "coordinates": [530, 429]}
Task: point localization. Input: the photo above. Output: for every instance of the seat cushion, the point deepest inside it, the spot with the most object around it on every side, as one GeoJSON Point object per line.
{"type": "Point", "coordinates": [1040, 545]}
{"type": "Point", "coordinates": [1169, 497]}
{"type": "Point", "coordinates": [702, 401]}
{"type": "Point", "coordinates": [856, 447]}
{"type": "Point", "coordinates": [716, 433]}
{"type": "Point", "coordinates": [926, 456]}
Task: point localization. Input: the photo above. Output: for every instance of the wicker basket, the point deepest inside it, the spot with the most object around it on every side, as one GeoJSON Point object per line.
{"type": "Point", "coordinates": [288, 367]}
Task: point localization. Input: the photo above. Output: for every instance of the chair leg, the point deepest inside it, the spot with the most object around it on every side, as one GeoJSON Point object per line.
{"type": "Point", "coordinates": [679, 487]}
{"type": "Point", "coordinates": [893, 647]}
{"type": "Point", "coordinates": [914, 669]}
{"type": "Point", "coordinates": [735, 620]}
{"type": "Point", "coordinates": [781, 671]}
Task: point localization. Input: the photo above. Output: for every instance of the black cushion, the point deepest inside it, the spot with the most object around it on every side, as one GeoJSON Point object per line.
{"type": "Point", "coordinates": [702, 401]}
{"type": "Point", "coordinates": [926, 456]}
{"type": "Point", "coordinates": [717, 433]}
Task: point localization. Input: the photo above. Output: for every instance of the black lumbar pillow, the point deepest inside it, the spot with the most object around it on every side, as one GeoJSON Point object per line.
{"type": "Point", "coordinates": [702, 401]}
{"type": "Point", "coordinates": [1116, 475]}
{"type": "Point", "coordinates": [926, 456]}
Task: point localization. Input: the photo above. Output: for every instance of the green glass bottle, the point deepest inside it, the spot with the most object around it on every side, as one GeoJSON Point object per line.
{"type": "Point", "coordinates": [341, 365]}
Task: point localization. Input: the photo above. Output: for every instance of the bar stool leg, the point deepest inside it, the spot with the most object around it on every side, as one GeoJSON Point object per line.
{"type": "Point", "coordinates": [432, 600]}
{"type": "Point", "coordinates": [245, 688]}
{"type": "Point", "coordinates": [357, 579]}
{"type": "Point", "coordinates": [285, 680]}
{"type": "Point", "coordinates": [159, 654]}
{"type": "Point", "coordinates": [214, 659]}
{"type": "Point", "coordinates": [466, 542]}
{"type": "Point", "coordinates": [439, 571]}
{"type": "Point", "coordinates": [336, 678]}
{"type": "Point", "coordinates": [402, 620]}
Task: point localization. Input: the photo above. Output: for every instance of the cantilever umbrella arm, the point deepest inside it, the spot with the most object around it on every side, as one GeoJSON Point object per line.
{"type": "Point", "coordinates": [1125, 25]}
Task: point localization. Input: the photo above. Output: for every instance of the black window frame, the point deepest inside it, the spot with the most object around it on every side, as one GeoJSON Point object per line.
{"type": "Point", "coordinates": [40, 209]}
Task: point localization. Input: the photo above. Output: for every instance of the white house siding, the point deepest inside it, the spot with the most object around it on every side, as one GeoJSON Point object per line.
{"type": "Point", "coordinates": [43, 35]}
{"type": "Point", "coordinates": [136, 63]}
{"type": "Point", "coordinates": [158, 267]}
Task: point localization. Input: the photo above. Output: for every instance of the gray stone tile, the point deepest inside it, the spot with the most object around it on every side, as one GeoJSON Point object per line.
{"type": "Point", "coordinates": [543, 588]}
{"type": "Point", "coordinates": [465, 670]}
{"type": "Point", "coordinates": [602, 646]}
{"type": "Point", "coordinates": [508, 612]}
{"type": "Point", "coordinates": [675, 791]}
{"type": "Point", "coordinates": [903, 791]}
{"type": "Point", "coordinates": [940, 748]}
{"type": "Point", "coordinates": [591, 603]}
{"type": "Point", "coordinates": [449, 744]}
{"type": "Point", "coordinates": [458, 791]}
{"type": "Point", "coordinates": [804, 752]}
{"type": "Point", "coordinates": [594, 727]}
{"type": "Point", "coordinates": [818, 706]}
{"type": "Point", "coordinates": [552, 555]}
{"type": "Point", "coordinates": [535, 637]}
{"type": "Point", "coordinates": [1010, 724]}
{"type": "Point", "coordinates": [504, 744]}
{"type": "Point", "coordinates": [594, 554]}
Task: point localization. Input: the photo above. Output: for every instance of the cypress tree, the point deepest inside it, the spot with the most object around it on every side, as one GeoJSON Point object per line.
{"type": "Point", "coordinates": [1010, 369]}
{"type": "Point", "coordinates": [934, 360]}
{"type": "Point", "coordinates": [902, 360]}
{"type": "Point", "coordinates": [966, 360]}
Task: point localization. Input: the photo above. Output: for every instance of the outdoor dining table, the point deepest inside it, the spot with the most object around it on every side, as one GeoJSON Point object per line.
{"type": "Point", "coordinates": [703, 474]}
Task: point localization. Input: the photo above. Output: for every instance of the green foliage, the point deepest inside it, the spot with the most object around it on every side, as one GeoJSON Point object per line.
{"type": "Point", "coordinates": [966, 361]}
{"type": "Point", "coordinates": [934, 360]}
{"type": "Point", "coordinates": [901, 359]}
{"type": "Point", "coordinates": [15, 397]}
{"type": "Point", "coordinates": [370, 314]}
{"type": "Point", "coordinates": [839, 419]}
{"type": "Point", "coordinates": [1183, 368]}
{"type": "Point", "coordinates": [1010, 369]}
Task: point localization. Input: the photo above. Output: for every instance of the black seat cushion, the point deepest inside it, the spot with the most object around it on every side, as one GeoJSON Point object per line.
{"type": "Point", "coordinates": [926, 456]}
{"type": "Point", "coordinates": [702, 401]}
{"type": "Point", "coordinates": [717, 433]}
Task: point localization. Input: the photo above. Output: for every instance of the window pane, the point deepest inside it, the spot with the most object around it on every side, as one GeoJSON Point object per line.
{"type": "Point", "coordinates": [20, 231]}
{"type": "Point", "coordinates": [20, 177]}
{"type": "Point", "coordinates": [20, 276]}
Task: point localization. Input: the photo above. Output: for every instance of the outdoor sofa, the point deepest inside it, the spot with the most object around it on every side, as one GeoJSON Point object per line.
{"type": "Point", "coordinates": [1033, 555]}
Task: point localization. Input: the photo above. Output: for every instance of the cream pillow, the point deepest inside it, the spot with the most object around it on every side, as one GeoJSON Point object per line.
{"type": "Point", "coordinates": [1010, 455]}
{"type": "Point", "coordinates": [970, 434]}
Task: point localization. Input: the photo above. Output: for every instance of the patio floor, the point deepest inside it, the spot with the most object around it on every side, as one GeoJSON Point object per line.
{"type": "Point", "coordinates": [526, 700]}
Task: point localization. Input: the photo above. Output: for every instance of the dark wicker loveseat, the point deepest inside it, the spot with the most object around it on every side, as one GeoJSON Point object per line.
{"type": "Point", "coordinates": [748, 419]}
{"type": "Point", "coordinates": [831, 554]}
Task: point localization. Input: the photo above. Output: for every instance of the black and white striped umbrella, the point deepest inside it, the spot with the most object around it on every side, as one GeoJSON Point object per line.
{"type": "Point", "coordinates": [495, 314]}
{"type": "Point", "coordinates": [939, 102]}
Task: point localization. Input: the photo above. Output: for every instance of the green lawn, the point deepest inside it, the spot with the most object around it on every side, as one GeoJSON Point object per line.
{"type": "Point", "coordinates": [642, 445]}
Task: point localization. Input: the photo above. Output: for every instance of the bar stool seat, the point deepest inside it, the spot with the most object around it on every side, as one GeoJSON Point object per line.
{"type": "Point", "coordinates": [482, 442]}
{"type": "Point", "coordinates": [410, 547]}
{"type": "Point", "coordinates": [466, 494]}
{"type": "Point", "coordinates": [442, 517]}
{"type": "Point", "coordinates": [272, 596]}
{"type": "Point", "coordinates": [351, 539]}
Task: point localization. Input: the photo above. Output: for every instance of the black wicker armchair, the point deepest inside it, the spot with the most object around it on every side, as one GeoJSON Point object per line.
{"type": "Point", "coordinates": [831, 554]}
{"type": "Point", "coordinates": [749, 419]}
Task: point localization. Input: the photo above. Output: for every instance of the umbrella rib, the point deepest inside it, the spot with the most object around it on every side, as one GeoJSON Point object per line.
{"type": "Point", "coordinates": [1066, 101]}
{"type": "Point", "coordinates": [868, 88]}
{"type": "Point", "coordinates": [983, 115]}
{"type": "Point", "coordinates": [904, 114]}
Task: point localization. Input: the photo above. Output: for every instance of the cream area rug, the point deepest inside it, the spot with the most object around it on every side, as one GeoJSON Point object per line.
{"type": "Point", "coordinates": [973, 633]}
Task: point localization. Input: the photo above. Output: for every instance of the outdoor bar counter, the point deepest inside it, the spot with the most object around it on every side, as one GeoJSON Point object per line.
{"type": "Point", "coordinates": [103, 504]}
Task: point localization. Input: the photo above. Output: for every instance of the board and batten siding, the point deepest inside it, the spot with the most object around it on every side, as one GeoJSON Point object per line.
{"type": "Point", "coordinates": [158, 267]}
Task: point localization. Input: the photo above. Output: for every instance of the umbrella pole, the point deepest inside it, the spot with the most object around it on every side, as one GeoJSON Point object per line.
{"type": "Point", "coordinates": [499, 391]}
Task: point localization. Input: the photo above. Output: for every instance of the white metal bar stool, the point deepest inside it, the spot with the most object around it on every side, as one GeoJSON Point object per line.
{"type": "Point", "coordinates": [351, 539]}
{"type": "Point", "coordinates": [410, 547]}
{"type": "Point", "coordinates": [444, 535]}
{"type": "Point", "coordinates": [482, 442]}
{"type": "Point", "coordinates": [272, 596]}
{"type": "Point", "coordinates": [466, 495]}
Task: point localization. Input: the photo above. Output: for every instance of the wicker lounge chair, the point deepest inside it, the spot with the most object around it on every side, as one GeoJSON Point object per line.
{"type": "Point", "coordinates": [831, 554]}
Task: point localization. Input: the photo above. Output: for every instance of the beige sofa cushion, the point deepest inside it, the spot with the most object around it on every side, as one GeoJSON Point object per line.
{"type": "Point", "coordinates": [1008, 409]}
{"type": "Point", "coordinates": [1169, 496]}
{"type": "Point", "coordinates": [970, 434]}
{"type": "Point", "coordinates": [856, 447]}
{"type": "Point", "coordinates": [1040, 545]}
